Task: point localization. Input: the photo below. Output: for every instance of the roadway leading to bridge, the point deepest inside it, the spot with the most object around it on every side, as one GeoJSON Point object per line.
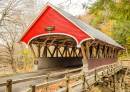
{"type": "Point", "coordinates": [21, 87]}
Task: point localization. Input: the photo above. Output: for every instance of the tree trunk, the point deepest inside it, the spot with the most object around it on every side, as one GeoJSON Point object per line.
{"type": "Point", "coordinates": [13, 65]}
{"type": "Point", "coordinates": [12, 61]}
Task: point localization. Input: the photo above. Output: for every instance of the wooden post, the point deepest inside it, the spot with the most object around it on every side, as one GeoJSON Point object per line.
{"type": "Point", "coordinates": [95, 75]}
{"type": "Point", "coordinates": [108, 84]}
{"type": "Point", "coordinates": [111, 68]}
{"type": "Point", "coordinates": [83, 79]}
{"type": "Point", "coordinates": [67, 72]}
{"type": "Point", "coordinates": [33, 88]}
{"type": "Point", "coordinates": [9, 86]}
{"type": "Point", "coordinates": [108, 70]}
{"type": "Point", "coordinates": [102, 71]}
{"type": "Point", "coordinates": [67, 83]}
{"type": "Point", "coordinates": [114, 82]}
{"type": "Point", "coordinates": [47, 80]}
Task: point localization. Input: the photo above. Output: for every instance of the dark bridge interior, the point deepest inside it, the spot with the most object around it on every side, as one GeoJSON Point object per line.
{"type": "Point", "coordinates": [56, 51]}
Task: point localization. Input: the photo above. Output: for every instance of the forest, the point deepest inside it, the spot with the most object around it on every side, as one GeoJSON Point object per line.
{"type": "Point", "coordinates": [112, 17]}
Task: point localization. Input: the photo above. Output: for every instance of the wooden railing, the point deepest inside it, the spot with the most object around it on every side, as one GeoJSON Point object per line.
{"type": "Point", "coordinates": [106, 70]}
{"type": "Point", "coordinates": [96, 73]}
{"type": "Point", "coordinates": [9, 82]}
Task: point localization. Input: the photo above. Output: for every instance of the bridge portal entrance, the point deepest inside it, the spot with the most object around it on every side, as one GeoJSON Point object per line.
{"type": "Point", "coordinates": [55, 50]}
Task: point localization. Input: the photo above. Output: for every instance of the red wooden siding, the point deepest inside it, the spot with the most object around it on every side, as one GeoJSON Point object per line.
{"type": "Point", "coordinates": [62, 25]}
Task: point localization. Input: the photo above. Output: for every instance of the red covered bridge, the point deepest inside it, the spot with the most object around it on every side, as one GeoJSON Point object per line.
{"type": "Point", "coordinates": [63, 40]}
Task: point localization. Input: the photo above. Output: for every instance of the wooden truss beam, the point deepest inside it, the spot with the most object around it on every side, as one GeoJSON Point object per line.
{"type": "Point", "coordinates": [38, 54]}
{"type": "Point", "coordinates": [87, 50]}
{"type": "Point", "coordinates": [45, 41]}
{"type": "Point", "coordinates": [83, 51]}
{"type": "Point", "coordinates": [44, 51]}
{"type": "Point", "coordinates": [32, 50]}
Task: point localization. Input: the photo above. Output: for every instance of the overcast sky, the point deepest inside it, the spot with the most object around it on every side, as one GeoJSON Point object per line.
{"type": "Point", "coordinates": [73, 9]}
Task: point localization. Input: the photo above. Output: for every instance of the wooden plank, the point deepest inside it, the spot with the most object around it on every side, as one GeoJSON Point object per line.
{"type": "Point", "coordinates": [76, 75]}
{"type": "Point", "coordinates": [3, 84]}
{"type": "Point", "coordinates": [28, 79]}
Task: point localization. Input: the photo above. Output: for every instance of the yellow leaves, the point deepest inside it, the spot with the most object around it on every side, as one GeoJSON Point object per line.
{"type": "Point", "coordinates": [107, 28]}
{"type": "Point", "coordinates": [97, 12]}
{"type": "Point", "coordinates": [25, 51]}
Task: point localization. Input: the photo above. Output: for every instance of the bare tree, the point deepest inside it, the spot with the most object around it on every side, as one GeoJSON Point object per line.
{"type": "Point", "coordinates": [11, 26]}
